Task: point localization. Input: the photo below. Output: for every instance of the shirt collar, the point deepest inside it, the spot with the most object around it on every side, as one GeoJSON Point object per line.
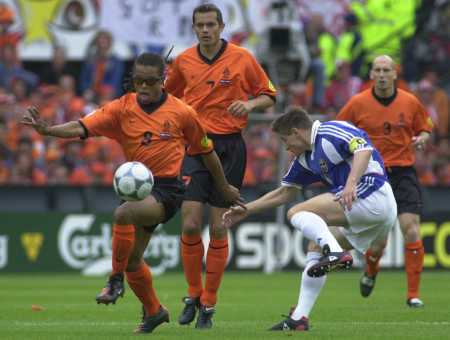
{"type": "Point", "coordinates": [314, 129]}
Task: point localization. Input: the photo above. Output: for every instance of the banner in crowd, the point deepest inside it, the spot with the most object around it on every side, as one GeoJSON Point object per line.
{"type": "Point", "coordinates": [56, 242]}
{"type": "Point", "coordinates": [135, 25]}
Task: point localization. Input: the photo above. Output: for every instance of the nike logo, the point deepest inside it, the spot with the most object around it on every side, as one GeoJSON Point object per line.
{"type": "Point", "coordinates": [209, 309]}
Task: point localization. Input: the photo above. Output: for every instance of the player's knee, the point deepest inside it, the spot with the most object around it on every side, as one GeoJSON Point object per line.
{"type": "Point", "coordinates": [411, 233]}
{"type": "Point", "coordinates": [291, 212]}
{"type": "Point", "coordinates": [122, 215]}
{"type": "Point", "coordinates": [191, 227]}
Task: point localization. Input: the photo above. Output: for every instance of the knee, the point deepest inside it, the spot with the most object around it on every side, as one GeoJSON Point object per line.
{"type": "Point", "coordinates": [291, 212]}
{"type": "Point", "coordinates": [411, 233]}
{"type": "Point", "coordinates": [122, 215]}
{"type": "Point", "coordinates": [191, 226]}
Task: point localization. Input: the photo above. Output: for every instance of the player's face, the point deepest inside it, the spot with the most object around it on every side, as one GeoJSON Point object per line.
{"type": "Point", "coordinates": [147, 82]}
{"type": "Point", "coordinates": [295, 142]}
{"type": "Point", "coordinates": [383, 74]}
{"type": "Point", "coordinates": [207, 28]}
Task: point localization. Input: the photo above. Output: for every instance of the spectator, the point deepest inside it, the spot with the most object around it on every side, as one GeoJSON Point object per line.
{"type": "Point", "coordinates": [10, 69]}
{"type": "Point", "coordinates": [102, 67]}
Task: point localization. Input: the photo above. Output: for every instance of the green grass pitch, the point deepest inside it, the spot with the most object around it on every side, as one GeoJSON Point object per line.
{"type": "Point", "coordinates": [249, 303]}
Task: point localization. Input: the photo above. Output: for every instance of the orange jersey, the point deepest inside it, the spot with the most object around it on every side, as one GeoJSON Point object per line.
{"type": "Point", "coordinates": [390, 126]}
{"type": "Point", "coordinates": [157, 139]}
{"type": "Point", "coordinates": [211, 86]}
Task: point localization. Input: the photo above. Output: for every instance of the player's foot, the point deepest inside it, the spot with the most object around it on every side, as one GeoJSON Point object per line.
{"type": "Point", "coordinates": [150, 322]}
{"type": "Point", "coordinates": [366, 284]}
{"type": "Point", "coordinates": [330, 261]}
{"type": "Point", "coordinates": [291, 325]}
{"type": "Point", "coordinates": [415, 303]}
{"type": "Point", "coordinates": [204, 319]}
{"type": "Point", "coordinates": [113, 289]}
{"type": "Point", "coordinates": [190, 309]}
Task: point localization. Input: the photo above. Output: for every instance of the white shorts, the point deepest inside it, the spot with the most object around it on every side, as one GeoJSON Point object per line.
{"type": "Point", "coordinates": [370, 218]}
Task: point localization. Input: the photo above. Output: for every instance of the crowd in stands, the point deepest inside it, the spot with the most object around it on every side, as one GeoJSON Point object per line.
{"type": "Point", "coordinates": [339, 45]}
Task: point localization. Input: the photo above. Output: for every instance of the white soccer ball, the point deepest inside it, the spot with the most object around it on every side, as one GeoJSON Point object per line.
{"type": "Point", "coordinates": [133, 181]}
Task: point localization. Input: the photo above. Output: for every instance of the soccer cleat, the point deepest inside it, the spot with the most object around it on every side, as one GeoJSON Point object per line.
{"type": "Point", "coordinates": [149, 323]}
{"type": "Point", "coordinates": [113, 289]}
{"type": "Point", "coordinates": [291, 325]}
{"type": "Point", "coordinates": [330, 261]}
{"type": "Point", "coordinates": [366, 284]}
{"type": "Point", "coordinates": [415, 303]}
{"type": "Point", "coordinates": [204, 317]}
{"type": "Point", "coordinates": [190, 309]}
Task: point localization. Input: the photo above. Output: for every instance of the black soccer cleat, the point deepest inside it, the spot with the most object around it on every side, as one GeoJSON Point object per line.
{"type": "Point", "coordinates": [204, 319]}
{"type": "Point", "coordinates": [366, 284]}
{"type": "Point", "coordinates": [113, 289]}
{"type": "Point", "coordinates": [190, 309]}
{"type": "Point", "coordinates": [149, 323]}
{"type": "Point", "coordinates": [330, 261]}
{"type": "Point", "coordinates": [291, 325]}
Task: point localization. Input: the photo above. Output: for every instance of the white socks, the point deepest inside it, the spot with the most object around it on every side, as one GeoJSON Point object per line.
{"type": "Point", "coordinates": [315, 229]}
{"type": "Point", "coordinates": [310, 288]}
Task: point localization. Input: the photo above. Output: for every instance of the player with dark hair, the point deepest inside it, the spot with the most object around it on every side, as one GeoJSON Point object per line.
{"type": "Point", "coordinates": [152, 127]}
{"type": "Point", "coordinates": [217, 79]}
{"type": "Point", "coordinates": [360, 200]}
{"type": "Point", "coordinates": [397, 123]}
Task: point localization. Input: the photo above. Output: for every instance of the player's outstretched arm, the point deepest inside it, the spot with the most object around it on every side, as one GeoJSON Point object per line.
{"type": "Point", "coordinates": [229, 192]}
{"type": "Point", "coordinates": [67, 130]}
{"type": "Point", "coordinates": [270, 200]}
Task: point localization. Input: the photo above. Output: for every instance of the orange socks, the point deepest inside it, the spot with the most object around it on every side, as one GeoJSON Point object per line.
{"type": "Point", "coordinates": [373, 263]}
{"type": "Point", "coordinates": [192, 252]}
{"type": "Point", "coordinates": [216, 261]}
{"type": "Point", "coordinates": [122, 245]}
{"type": "Point", "coordinates": [414, 254]}
{"type": "Point", "coordinates": [141, 283]}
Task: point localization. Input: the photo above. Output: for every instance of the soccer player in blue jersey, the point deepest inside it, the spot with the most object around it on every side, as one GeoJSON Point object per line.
{"type": "Point", "coordinates": [360, 200]}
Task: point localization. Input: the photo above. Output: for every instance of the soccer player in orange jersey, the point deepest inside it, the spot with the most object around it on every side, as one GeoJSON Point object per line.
{"type": "Point", "coordinates": [152, 127]}
{"type": "Point", "coordinates": [397, 123]}
{"type": "Point", "coordinates": [217, 79]}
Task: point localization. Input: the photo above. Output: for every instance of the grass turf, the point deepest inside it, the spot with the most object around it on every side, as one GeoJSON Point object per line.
{"type": "Point", "coordinates": [249, 303]}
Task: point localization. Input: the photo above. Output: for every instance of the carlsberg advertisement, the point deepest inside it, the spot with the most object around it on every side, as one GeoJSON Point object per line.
{"type": "Point", "coordinates": [56, 242]}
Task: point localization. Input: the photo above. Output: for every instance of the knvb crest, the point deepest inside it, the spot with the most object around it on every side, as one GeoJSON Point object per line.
{"type": "Point", "coordinates": [323, 166]}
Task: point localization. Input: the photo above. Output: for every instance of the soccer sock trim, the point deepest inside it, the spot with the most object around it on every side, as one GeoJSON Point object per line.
{"type": "Point", "coordinates": [310, 288]}
{"type": "Point", "coordinates": [122, 245]}
{"type": "Point", "coordinates": [315, 229]}
{"type": "Point", "coordinates": [192, 252]}
{"type": "Point", "coordinates": [414, 255]}
{"type": "Point", "coordinates": [216, 261]}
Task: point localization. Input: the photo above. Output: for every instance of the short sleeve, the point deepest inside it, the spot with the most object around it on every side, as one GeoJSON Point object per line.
{"type": "Point", "coordinates": [299, 176]}
{"type": "Point", "coordinates": [422, 120]}
{"type": "Point", "coordinates": [175, 82]}
{"type": "Point", "coordinates": [195, 134]}
{"type": "Point", "coordinates": [104, 121]}
{"type": "Point", "coordinates": [257, 81]}
{"type": "Point", "coordinates": [346, 113]}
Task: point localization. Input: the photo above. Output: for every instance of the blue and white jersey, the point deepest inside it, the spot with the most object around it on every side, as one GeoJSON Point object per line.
{"type": "Point", "coordinates": [333, 145]}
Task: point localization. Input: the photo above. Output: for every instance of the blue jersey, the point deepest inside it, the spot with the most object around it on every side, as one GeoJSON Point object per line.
{"type": "Point", "coordinates": [333, 145]}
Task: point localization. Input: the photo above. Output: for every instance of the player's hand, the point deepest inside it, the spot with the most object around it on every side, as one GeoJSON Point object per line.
{"type": "Point", "coordinates": [240, 108]}
{"type": "Point", "coordinates": [419, 142]}
{"type": "Point", "coordinates": [347, 196]}
{"type": "Point", "coordinates": [33, 119]}
{"type": "Point", "coordinates": [232, 195]}
{"type": "Point", "coordinates": [233, 215]}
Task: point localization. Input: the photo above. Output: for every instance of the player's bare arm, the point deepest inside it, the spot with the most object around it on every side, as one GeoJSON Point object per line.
{"type": "Point", "coordinates": [67, 130]}
{"type": "Point", "coordinates": [229, 192]}
{"type": "Point", "coordinates": [241, 107]}
{"type": "Point", "coordinates": [420, 140]}
{"type": "Point", "coordinates": [359, 166]}
{"type": "Point", "coordinates": [270, 200]}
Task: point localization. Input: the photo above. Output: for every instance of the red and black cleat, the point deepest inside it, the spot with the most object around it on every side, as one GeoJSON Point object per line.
{"type": "Point", "coordinates": [113, 289]}
{"type": "Point", "coordinates": [330, 261]}
{"type": "Point", "coordinates": [149, 323]}
{"type": "Point", "coordinates": [292, 325]}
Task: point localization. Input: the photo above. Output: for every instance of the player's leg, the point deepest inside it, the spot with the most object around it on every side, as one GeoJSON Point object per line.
{"type": "Point", "coordinates": [192, 252]}
{"type": "Point", "coordinates": [123, 241]}
{"type": "Point", "coordinates": [310, 287]}
{"type": "Point", "coordinates": [414, 255]}
{"type": "Point", "coordinates": [140, 280]}
{"type": "Point", "coordinates": [409, 200]}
